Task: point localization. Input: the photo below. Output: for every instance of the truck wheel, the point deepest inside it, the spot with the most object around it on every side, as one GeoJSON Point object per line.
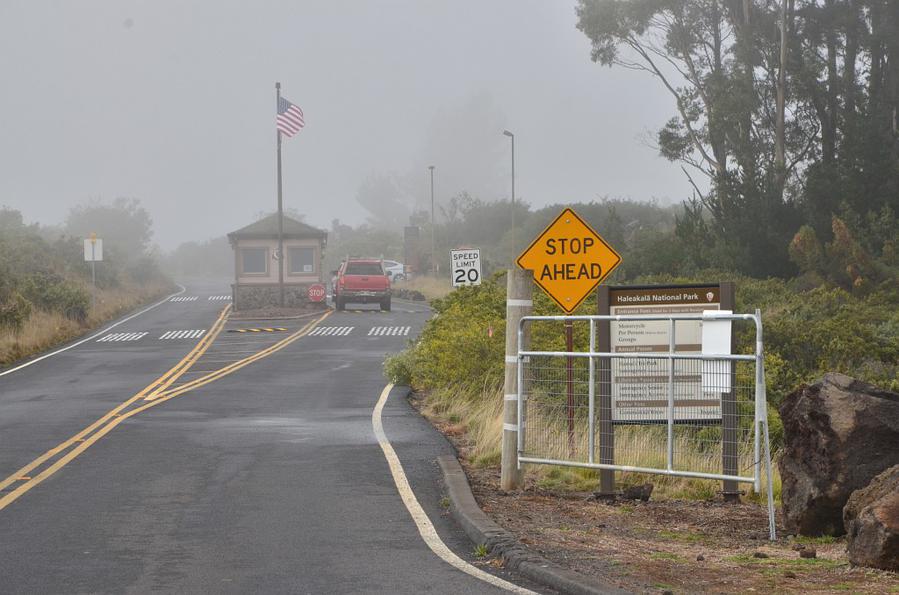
{"type": "Point", "coordinates": [385, 304]}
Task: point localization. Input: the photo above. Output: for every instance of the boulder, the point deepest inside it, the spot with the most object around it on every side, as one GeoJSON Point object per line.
{"type": "Point", "coordinates": [839, 433]}
{"type": "Point", "coordinates": [639, 492]}
{"type": "Point", "coordinates": [871, 517]}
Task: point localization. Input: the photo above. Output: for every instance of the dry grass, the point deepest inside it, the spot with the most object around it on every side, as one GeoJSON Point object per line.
{"type": "Point", "coordinates": [48, 329]}
{"type": "Point", "coordinates": [474, 418]}
{"type": "Point", "coordinates": [430, 287]}
{"type": "Point", "coordinates": [479, 421]}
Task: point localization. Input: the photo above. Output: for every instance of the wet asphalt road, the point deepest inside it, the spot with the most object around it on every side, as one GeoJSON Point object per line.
{"type": "Point", "coordinates": [268, 480]}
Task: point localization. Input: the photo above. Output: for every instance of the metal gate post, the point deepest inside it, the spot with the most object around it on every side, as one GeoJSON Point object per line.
{"type": "Point", "coordinates": [759, 398]}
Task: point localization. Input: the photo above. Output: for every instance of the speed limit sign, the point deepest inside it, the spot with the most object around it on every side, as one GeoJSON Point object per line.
{"type": "Point", "coordinates": [465, 266]}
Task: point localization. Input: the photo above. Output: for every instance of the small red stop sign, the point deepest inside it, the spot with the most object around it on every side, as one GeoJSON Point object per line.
{"type": "Point", "coordinates": [316, 292]}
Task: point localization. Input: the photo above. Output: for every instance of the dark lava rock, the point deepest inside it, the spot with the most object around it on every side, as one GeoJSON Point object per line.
{"type": "Point", "coordinates": [808, 552]}
{"type": "Point", "coordinates": [640, 492]}
{"type": "Point", "coordinates": [872, 522]}
{"type": "Point", "coordinates": [839, 433]}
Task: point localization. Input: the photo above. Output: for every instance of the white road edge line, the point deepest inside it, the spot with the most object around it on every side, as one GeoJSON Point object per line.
{"type": "Point", "coordinates": [425, 527]}
{"type": "Point", "coordinates": [95, 335]}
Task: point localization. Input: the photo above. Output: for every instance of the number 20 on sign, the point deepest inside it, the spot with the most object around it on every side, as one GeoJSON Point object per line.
{"type": "Point", "coordinates": [569, 260]}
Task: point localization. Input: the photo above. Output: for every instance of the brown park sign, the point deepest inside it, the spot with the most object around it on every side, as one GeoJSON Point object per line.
{"type": "Point", "coordinates": [569, 260]}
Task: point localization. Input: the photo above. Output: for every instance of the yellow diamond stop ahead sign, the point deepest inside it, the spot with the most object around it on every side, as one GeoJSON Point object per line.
{"type": "Point", "coordinates": [569, 260]}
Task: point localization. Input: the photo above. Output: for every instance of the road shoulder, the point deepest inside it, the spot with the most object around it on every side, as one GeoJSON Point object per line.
{"type": "Point", "coordinates": [482, 530]}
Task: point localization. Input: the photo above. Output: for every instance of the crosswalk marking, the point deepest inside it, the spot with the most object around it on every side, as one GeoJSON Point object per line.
{"type": "Point", "coordinates": [392, 331]}
{"type": "Point", "coordinates": [220, 298]}
{"type": "Point", "coordinates": [122, 337]}
{"type": "Point", "coordinates": [189, 334]}
{"type": "Point", "coordinates": [184, 298]}
{"type": "Point", "coordinates": [332, 331]}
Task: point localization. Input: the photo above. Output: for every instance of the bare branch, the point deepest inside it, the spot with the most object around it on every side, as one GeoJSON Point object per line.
{"type": "Point", "coordinates": [694, 138]}
{"type": "Point", "coordinates": [702, 196]}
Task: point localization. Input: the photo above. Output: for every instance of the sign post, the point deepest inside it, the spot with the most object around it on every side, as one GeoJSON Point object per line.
{"type": "Point", "coordinates": [569, 260]}
{"type": "Point", "coordinates": [93, 252]}
{"type": "Point", "coordinates": [466, 267]}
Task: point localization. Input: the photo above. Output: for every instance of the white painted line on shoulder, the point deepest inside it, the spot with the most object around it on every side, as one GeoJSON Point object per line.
{"type": "Point", "coordinates": [511, 359]}
{"type": "Point", "coordinates": [425, 527]}
{"type": "Point", "coordinates": [510, 427]}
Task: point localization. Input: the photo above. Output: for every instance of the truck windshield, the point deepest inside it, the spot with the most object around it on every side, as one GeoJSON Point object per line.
{"type": "Point", "coordinates": [363, 268]}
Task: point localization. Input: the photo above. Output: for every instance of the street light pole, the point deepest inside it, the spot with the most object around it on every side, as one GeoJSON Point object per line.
{"type": "Point", "coordinates": [512, 136]}
{"type": "Point", "coordinates": [433, 244]}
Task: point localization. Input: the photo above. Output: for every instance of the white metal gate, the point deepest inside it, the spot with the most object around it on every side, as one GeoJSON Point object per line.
{"type": "Point", "coordinates": [691, 410]}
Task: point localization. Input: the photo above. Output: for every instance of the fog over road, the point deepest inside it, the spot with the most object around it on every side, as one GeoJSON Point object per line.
{"type": "Point", "coordinates": [267, 478]}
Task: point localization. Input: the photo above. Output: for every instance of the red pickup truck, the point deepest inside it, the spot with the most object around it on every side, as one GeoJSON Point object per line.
{"type": "Point", "coordinates": [362, 280]}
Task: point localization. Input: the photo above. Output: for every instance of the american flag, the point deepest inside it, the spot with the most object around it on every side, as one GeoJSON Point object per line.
{"type": "Point", "coordinates": [290, 118]}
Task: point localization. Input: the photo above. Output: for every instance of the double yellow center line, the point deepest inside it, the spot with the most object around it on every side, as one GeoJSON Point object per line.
{"type": "Point", "coordinates": [156, 393]}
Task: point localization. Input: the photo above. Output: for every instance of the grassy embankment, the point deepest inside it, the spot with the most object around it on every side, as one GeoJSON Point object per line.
{"type": "Point", "coordinates": [45, 329]}
{"type": "Point", "coordinates": [807, 331]}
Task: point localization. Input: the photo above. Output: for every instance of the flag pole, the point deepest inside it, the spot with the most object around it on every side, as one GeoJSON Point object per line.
{"type": "Point", "coordinates": [280, 205]}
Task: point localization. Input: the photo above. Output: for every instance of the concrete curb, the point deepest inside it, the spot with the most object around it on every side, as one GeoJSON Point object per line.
{"type": "Point", "coordinates": [482, 530]}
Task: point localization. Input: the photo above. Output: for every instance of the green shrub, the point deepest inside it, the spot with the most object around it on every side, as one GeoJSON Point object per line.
{"type": "Point", "coordinates": [397, 368]}
{"type": "Point", "coordinates": [53, 293]}
{"type": "Point", "coordinates": [14, 312]}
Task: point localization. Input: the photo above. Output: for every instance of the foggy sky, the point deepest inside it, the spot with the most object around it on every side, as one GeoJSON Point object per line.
{"type": "Point", "coordinates": [172, 102]}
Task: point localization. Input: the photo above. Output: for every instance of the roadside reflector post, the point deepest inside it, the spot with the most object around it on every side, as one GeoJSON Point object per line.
{"type": "Point", "coordinates": [519, 293]}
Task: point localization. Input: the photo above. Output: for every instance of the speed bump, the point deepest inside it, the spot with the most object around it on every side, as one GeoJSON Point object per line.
{"type": "Point", "coordinates": [274, 329]}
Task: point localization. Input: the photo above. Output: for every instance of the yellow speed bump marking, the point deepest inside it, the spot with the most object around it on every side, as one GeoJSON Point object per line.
{"type": "Point", "coordinates": [212, 376]}
{"type": "Point", "coordinates": [158, 399]}
{"type": "Point", "coordinates": [176, 371]}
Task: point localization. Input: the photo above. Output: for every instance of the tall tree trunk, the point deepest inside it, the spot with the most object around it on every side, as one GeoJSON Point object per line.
{"type": "Point", "coordinates": [850, 56]}
{"type": "Point", "coordinates": [780, 164]}
{"type": "Point", "coordinates": [829, 128]}
{"type": "Point", "coordinates": [741, 17]}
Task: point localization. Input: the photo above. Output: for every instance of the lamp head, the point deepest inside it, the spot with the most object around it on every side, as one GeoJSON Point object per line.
{"type": "Point", "coordinates": [507, 133]}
